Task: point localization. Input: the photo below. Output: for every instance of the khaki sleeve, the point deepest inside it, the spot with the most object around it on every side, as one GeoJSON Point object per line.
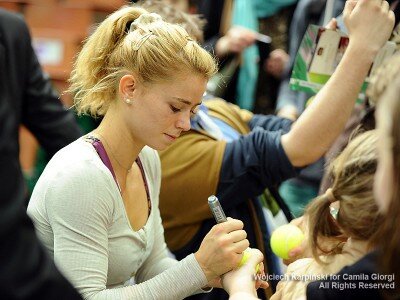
{"type": "Point", "coordinates": [190, 174]}
{"type": "Point", "coordinates": [243, 113]}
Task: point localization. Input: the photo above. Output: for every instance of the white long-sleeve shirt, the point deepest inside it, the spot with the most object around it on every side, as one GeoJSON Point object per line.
{"type": "Point", "coordinates": [80, 217]}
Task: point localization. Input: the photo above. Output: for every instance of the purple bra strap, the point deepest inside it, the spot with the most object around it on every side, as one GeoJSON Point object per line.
{"type": "Point", "coordinates": [103, 155]}
{"type": "Point", "coordinates": [101, 151]}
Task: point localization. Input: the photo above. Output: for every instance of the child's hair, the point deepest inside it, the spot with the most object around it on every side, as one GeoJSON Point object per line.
{"type": "Point", "coordinates": [133, 41]}
{"type": "Point", "coordinates": [352, 173]}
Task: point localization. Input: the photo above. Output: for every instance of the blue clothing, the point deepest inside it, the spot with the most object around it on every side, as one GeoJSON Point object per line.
{"type": "Point", "coordinates": [296, 196]}
{"type": "Point", "coordinates": [229, 134]}
{"type": "Point", "coordinates": [245, 15]}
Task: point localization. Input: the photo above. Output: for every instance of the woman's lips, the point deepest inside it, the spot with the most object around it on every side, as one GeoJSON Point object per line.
{"type": "Point", "coordinates": [171, 137]}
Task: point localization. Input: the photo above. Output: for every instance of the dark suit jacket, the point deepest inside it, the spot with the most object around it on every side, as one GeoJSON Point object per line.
{"type": "Point", "coordinates": [26, 97]}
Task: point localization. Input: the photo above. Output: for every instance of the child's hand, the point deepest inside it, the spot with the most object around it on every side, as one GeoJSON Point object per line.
{"type": "Point", "coordinates": [243, 279]}
{"type": "Point", "coordinates": [299, 251]}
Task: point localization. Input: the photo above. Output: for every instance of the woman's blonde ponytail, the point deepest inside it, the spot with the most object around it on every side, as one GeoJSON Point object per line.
{"type": "Point", "coordinates": [91, 69]}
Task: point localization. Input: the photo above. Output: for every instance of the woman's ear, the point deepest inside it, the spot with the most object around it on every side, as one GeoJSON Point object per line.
{"type": "Point", "coordinates": [127, 85]}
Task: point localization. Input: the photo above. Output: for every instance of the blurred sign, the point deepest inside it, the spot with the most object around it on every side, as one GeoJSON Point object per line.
{"type": "Point", "coordinates": [49, 51]}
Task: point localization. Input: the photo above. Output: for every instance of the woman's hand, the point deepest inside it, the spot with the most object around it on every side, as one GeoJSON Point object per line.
{"type": "Point", "coordinates": [244, 279]}
{"type": "Point", "coordinates": [222, 248]}
{"type": "Point", "coordinates": [235, 41]}
{"type": "Point", "coordinates": [276, 62]}
{"type": "Point", "coordinates": [364, 34]}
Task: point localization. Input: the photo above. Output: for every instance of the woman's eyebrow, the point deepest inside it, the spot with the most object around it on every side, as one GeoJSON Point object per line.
{"type": "Point", "coordinates": [186, 101]}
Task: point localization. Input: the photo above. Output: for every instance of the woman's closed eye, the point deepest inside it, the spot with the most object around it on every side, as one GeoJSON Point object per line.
{"type": "Point", "coordinates": [174, 109]}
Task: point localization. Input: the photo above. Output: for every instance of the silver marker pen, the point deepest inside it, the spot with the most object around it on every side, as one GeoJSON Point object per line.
{"type": "Point", "coordinates": [216, 209]}
{"type": "Point", "coordinates": [263, 38]}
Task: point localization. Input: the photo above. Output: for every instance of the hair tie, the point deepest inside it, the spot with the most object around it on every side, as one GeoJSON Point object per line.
{"type": "Point", "coordinates": [128, 26]}
{"type": "Point", "coordinates": [329, 195]}
{"type": "Point", "coordinates": [331, 198]}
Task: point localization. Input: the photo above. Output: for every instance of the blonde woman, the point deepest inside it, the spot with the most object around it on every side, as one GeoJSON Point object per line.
{"type": "Point", "coordinates": [95, 207]}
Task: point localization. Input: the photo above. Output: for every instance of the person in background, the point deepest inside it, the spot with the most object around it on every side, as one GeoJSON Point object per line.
{"type": "Point", "coordinates": [342, 225]}
{"type": "Point", "coordinates": [231, 34]}
{"type": "Point", "coordinates": [363, 115]}
{"type": "Point", "coordinates": [385, 91]}
{"type": "Point", "coordinates": [26, 97]}
{"type": "Point", "coordinates": [385, 261]}
{"type": "Point", "coordinates": [95, 206]}
{"type": "Point", "coordinates": [297, 192]}
{"type": "Point", "coordinates": [237, 155]}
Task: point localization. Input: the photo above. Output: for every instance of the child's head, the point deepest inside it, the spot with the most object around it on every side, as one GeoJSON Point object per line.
{"type": "Point", "coordinates": [352, 173]}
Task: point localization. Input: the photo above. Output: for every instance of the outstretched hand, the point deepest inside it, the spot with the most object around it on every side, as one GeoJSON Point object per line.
{"type": "Point", "coordinates": [369, 23]}
{"type": "Point", "coordinates": [235, 41]}
{"type": "Point", "coordinates": [245, 279]}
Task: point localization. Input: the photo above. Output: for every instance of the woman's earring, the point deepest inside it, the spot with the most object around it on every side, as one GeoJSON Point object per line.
{"type": "Point", "coordinates": [128, 101]}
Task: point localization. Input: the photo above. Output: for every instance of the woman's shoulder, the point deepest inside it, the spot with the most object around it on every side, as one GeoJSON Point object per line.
{"type": "Point", "coordinates": [74, 178]}
{"type": "Point", "coordinates": [77, 164]}
{"type": "Point", "coordinates": [76, 155]}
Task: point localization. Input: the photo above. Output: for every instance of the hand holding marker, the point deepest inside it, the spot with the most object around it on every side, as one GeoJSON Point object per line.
{"type": "Point", "coordinates": [220, 217]}
{"type": "Point", "coordinates": [263, 38]}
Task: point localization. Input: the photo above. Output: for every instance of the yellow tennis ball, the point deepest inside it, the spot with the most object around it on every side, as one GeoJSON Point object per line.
{"type": "Point", "coordinates": [284, 239]}
{"type": "Point", "coordinates": [245, 257]}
